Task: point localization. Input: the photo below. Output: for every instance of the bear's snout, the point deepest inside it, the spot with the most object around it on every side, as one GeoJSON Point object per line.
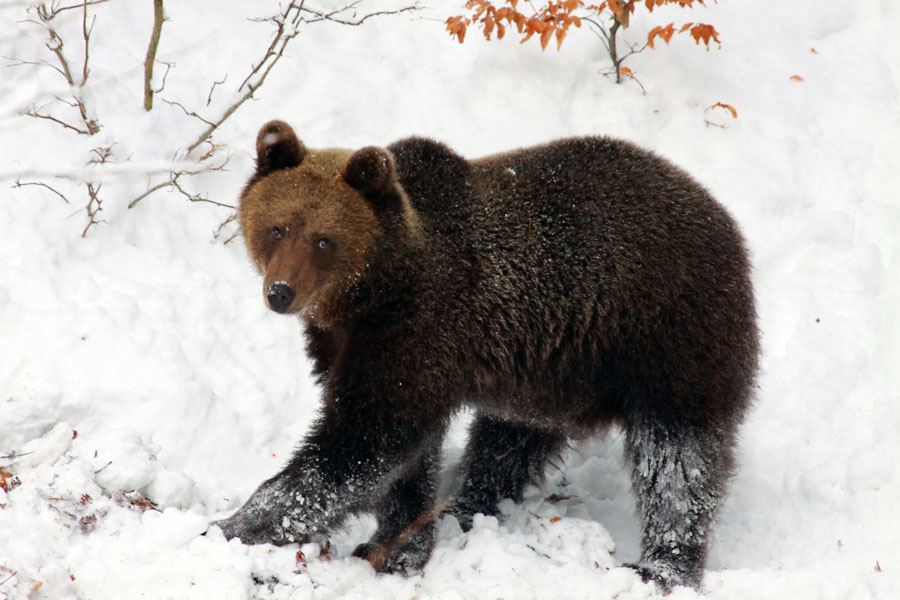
{"type": "Point", "coordinates": [280, 296]}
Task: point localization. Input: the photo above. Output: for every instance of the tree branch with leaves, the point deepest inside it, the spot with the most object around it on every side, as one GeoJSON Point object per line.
{"type": "Point", "coordinates": [554, 19]}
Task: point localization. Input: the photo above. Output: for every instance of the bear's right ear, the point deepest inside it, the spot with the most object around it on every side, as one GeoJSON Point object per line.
{"type": "Point", "coordinates": [277, 147]}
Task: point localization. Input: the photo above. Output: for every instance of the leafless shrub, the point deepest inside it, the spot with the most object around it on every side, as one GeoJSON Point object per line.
{"type": "Point", "coordinates": [199, 154]}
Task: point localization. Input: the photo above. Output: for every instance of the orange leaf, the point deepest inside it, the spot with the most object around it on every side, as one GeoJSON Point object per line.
{"type": "Point", "coordinates": [615, 7]}
{"type": "Point", "coordinates": [728, 107]}
{"type": "Point", "coordinates": [665, 33]}
{"type": "Point", "coordinates": [536, 25]}
{"type": "Point", "coordinates": [456, 26]}
{"type": "Point", "coordinates": [7, 480]}
{"type": "Point", "coordinates": [620, 10]}
{"type": "Point", "coordinates": [488, 27]}
{"type": "Point", "coordinates": [556, 519]}
{"type": "Point", "coordinates": [625, 71]}
{"type": "Point", "coordinates": [560, 36]}
{"type": "Point", "coordinates": [704, 32]}
{"type": "Point", "coordinates": [501, 30]}
{"type": "Point", "coordinates": [545, 37]}
{"type": "Point", "coordinates": [796, 78]}
{"type": "Point", "coordinates": [520, 21]}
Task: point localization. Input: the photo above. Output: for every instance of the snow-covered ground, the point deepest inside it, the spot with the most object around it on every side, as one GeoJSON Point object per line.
{"type": "Point", "coordinates": [139, 364]}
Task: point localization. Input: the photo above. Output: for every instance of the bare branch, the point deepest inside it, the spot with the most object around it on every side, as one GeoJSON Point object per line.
{"type": "Point", "coordinates": [86, 32]}
{"type": "Point", "coordinates": [55, 10]}
{"type": "Point", "coordinates": [332, 16]}
{"type": "Point", "coordinates": [36, 114]}
{"type": "Point", "coordinates": [18, 62]}
{"type": "Point", "coordinates": [221, 228]}
{"type": "Point", "coordinates": [165, 76]}
{"type": "Point", "coordinates": [198, 197]}
{"type": "Point", "coordinates": [150, 191]}
{"type": "Point", "coordinates": [150, 59]}
{"type": "Point", "coordinates": [19, 184]}
{"type": "Point", "coordinates": [213, 87]}
{"type": "Point", "coordinates": [174, 176]}
{"type": "Point", "coordinates": [55, 44]}
{"type": "Point", "coordinates": [293, 14]}
{"type": "Point", "coordinates": [11, 575]}
{"type": "Point", "coordinates": [189, 113]}
{"type": "Point", "coordinates": [94, 206]}
{"type": "Point", "coordinates": [102, 154]}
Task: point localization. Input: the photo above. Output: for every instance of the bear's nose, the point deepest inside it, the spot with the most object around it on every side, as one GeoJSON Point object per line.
{"type": "Point", "coordinates": [280, 295]}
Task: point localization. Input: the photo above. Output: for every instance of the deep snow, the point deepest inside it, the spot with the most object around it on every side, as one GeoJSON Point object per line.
{"type": "Point", "coordinates": [150, 339]}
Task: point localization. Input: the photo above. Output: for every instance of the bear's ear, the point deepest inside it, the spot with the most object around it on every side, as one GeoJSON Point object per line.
{"type": "Point", "coordinates": [277, 147]}
{"type": "Point", "coordinates": [371, 170]}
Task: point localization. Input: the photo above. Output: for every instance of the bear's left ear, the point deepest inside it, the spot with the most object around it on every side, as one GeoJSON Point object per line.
{"type": "Point", "coordinates": [277, 147]}
{"type": "Point", "coordinates": [371, 170]}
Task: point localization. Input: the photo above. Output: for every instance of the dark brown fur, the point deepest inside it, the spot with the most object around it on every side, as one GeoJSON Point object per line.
{"type": "Point", "coordinates": [557, 290]}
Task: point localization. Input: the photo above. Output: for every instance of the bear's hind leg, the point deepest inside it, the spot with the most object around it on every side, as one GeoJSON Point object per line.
{"type": "Point", "coordinates": [406, 531]}
{"type": "Point", "coordinates": [501, 458]}
{"type": "Point", "coordinates": [679, 472]}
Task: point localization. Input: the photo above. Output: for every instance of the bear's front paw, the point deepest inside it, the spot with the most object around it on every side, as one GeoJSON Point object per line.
{"type": "Point", "coordinates": [666, 574]}
{"type": "Point", "coordinates": [406, 560]}
{"type": "Point", "coordinates": [249, 533]}
{"type": "Point", "coordinates": [258, 528]}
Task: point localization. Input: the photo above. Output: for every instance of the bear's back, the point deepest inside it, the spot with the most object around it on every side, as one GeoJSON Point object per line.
{"type": "Point", "coordinates": [581, 252]}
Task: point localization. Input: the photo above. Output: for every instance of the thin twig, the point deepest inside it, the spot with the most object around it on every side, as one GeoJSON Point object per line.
{"type": "Point", "coordinates": [155, 188]}
{"type": "Point", "coordinates": [19, 184]}
{"type": "Point", "coordinates": [103, 153]}
{"type": "Point", "coordinates": [94, 206]}
{"type": "Point", "coordinates": [213, 87]}
{"type": "Point", "coordinates": [189, 113]}
{"type": "Point", "coordinates": [198, 197]}
{"type": "Point", "coordinates": [34, 113]}
{"type": "Point", "coordinates": [218, 232]}
{"type": "Point", "coordinates": [603, 35]}
{"type": "Point", "coordinates": [174, 176]}
{"type": "Point", "coordinates": [56, 10]}
{"type": "Point", "coordinates": [18, 62]}
{"type": "Point", "coordinates": [165, 76]}
{"type": "Point", "coordinates": [320, 16]}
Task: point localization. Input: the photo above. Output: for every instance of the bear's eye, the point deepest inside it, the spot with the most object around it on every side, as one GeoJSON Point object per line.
{"type": "Point", "coordinates": [323, 244]}
{"type": "Point", "coordinates": [277, 233]}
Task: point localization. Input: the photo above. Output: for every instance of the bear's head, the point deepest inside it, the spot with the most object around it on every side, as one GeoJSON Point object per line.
{"type": "Point", "coordinates": [314, 219]}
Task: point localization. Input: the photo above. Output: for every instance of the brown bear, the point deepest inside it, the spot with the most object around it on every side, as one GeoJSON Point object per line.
{"type": "Point", "coordinates": [556, 290]}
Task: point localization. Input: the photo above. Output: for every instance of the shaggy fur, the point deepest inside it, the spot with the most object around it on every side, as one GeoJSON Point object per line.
{"type": "Point", "coordinates": [557, 290]}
